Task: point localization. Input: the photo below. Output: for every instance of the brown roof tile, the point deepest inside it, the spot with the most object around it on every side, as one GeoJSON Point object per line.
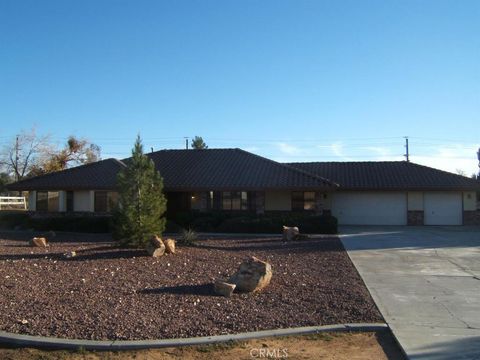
{"type": "Point", "coordinates": [195, 170]}
{"type": "Point", "coordinates": [229, 169]}
{"type": "Point", "coordinates": [387, 175]}
{"type": "Point", "coordinates": [100, 175]}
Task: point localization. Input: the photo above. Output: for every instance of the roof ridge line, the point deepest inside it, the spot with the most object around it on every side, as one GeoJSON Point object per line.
{"type": "Point", "coordinates": [306, 173]}
{"type": "Point", "coordinates": [119, 161]}
{"type": "Point", "coordinates": [301, 170]}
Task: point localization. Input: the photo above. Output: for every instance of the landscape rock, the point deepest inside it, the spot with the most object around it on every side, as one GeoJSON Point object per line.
{"type": "Point", "coordinates": [156, 241]}
{"type": "Point", "coordinates": [224, 288]}
{"type": "Point", "coordinates": [156, 247]}
{"type": "Point", "coordinates": [252, 275]}
{"type": "Point", "coordinates": [38, 242]}
{"type": "Point", "coordinates": [169, 246]}
{"type": "Point", "coordinates": [290, 233]}
{"type": "Point", "coordinates": [70, 254]}
{"type": "Point", "coordinates": [158, 252]}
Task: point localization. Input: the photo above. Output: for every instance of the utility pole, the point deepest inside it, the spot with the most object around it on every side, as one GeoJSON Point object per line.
{"type": "Point", "coordinates": [407, 154]}
{"type": "Point", "coordinates": [186, 142]}
{"type": "Point", "coordinates": [478, 156]}
{"type": "Point", "coordinates": [16, 159]}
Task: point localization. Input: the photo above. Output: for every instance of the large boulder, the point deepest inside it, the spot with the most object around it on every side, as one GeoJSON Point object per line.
{"type": "Point", "coordinates": [38, 242]}
{"type": "Point", "coordinates": [169, 246]}
{"type": "Point", "coordinates": [224, 288]}
{"type": "Point", "coordinates": [156, 247]}
{"type": "Point", "coordinates": [290, 233]}
{"type": "Point", "coordinates": [252, 275]}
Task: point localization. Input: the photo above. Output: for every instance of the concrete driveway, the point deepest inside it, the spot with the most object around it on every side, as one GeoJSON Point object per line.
{"type": "Point", "coordinates": [426, 283]}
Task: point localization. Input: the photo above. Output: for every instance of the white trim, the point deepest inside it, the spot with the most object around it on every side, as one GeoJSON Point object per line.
{"type": "Point", "coordinates": [13, 201]}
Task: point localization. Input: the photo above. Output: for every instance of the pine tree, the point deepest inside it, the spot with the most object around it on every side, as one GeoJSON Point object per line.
{"type": "Point", "coordinates": [141, 203]}
{"type": "Point", "coordinates": [198, 143]}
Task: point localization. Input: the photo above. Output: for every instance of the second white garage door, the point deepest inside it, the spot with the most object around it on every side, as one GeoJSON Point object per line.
{"type": "Point", "coordinates": [443, 208]}
{"type": "Point", "coordinates": [370, 208]}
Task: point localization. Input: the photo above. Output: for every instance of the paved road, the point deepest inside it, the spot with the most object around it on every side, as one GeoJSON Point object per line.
{"type": "Point", "coordinates": [426, 283]}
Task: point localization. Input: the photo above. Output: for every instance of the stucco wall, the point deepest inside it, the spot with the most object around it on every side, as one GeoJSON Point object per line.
{"type": "Point", "coordinates": [469, 201]}
{"type": "Point", "coordinates": [32, 200]}
{"type": "Point", "coordinates": [82, 201]}
{"type": "Point", "coordinates": [278, 201]}
{"type": "Point", "coordinates": [62, 201]}
{"type": "Point", "coordinates": [415, 201]}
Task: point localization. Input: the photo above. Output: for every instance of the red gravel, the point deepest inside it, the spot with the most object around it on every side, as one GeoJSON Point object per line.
{"type": "Point", "coordinates": [111, 293]}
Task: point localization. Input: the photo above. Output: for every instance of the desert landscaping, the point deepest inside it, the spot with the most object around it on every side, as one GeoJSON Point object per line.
{"type": "Point", "coordinates": [108, 292]}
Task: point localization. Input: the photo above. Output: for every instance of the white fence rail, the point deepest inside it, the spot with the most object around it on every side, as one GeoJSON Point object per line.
{"type": "Point", "coordinates": [13, 202]}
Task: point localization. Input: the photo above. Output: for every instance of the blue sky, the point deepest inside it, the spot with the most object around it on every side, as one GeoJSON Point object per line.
{"type": "Point", "coordinates": [290, 80]}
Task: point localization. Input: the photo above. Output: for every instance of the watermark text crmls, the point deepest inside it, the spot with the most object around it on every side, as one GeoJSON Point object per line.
{"type": "Point", "coordinates": [267, 353]}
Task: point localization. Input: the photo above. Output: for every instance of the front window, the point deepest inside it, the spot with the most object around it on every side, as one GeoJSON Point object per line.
{"type": "Point", "coordinates": [303, 200]}
{"type": "Point", "coordinates": [53, 200]}
{"type": "Point", "coordinates": [42, 200]}
{"type": "Point", "coordinates": [105, 201]}
{"type": "Point", "coordinates": [235, 200]}
{"type": "Point", "coordinates": [47, 201]}
{"type": "Point", "coordinates": [101, 202]}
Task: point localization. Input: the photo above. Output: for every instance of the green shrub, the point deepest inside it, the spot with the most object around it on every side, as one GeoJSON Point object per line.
{"type": "Point", "coordinates": [271, 222]}
{"type": "Point", "coordinates": [13, 219]}
{"type": "Point", "coordinates": [172, 227]}
{"type": "Point", "coordinates": [57, 222]}
{"type": "Point", "coordinates": [72, 223]}
{"type": "Point", "coordinates": [201, 221]}
{"type": "Point", "coordinates": [183, 218]}
{"type": "Point", "coordinates": [188, 237]}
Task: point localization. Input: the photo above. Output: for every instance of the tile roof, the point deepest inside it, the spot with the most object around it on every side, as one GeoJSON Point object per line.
{"type": "Point", "coordinates": [100, 175]}
{"type": "Point", "coordinates": [235, 169]}
{"type": "Point", "coordinates": [387, 175]}
{"type": "Point", "coordinates": [195, 170]}
{"type": "Point", "coordinates": [229, 169]}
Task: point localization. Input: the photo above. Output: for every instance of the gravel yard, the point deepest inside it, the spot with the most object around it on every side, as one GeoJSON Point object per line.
{"type": "Point", "coordinates": [110, 293]}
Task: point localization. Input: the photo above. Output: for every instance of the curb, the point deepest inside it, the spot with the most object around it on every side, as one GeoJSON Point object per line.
{"type": "Point", "coordinates": [18, 340]}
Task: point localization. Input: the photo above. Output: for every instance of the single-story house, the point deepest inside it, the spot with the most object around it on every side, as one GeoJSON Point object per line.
{"type": "Point", "coordinates": [357, 193]}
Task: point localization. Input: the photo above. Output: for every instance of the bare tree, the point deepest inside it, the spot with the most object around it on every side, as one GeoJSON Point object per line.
{"type": "Point", "coordinates": [30, 155]}
{"type": "Point", "coordinates": [27, 150]}
{"type": "Point", "coordinates": [4, 180]}
{"type": "Point", "coordinates": [76, 152]}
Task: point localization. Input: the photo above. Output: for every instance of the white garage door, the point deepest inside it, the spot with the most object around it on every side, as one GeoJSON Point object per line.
{"type": "Point", "coordinates": [443, 208]}
{"type": "Point", "coordinates": [370, 208]}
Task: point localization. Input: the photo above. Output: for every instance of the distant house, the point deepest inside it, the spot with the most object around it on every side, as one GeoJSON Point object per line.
{"type": "Point", "coordinates": [360, 193]}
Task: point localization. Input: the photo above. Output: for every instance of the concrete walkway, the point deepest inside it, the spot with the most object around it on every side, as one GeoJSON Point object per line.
{"type": "Point", "coordinates": [426, 283]}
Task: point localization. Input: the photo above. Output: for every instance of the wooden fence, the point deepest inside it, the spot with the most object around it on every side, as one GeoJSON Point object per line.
{"type": "Point", "coordinates": [13, 203]}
